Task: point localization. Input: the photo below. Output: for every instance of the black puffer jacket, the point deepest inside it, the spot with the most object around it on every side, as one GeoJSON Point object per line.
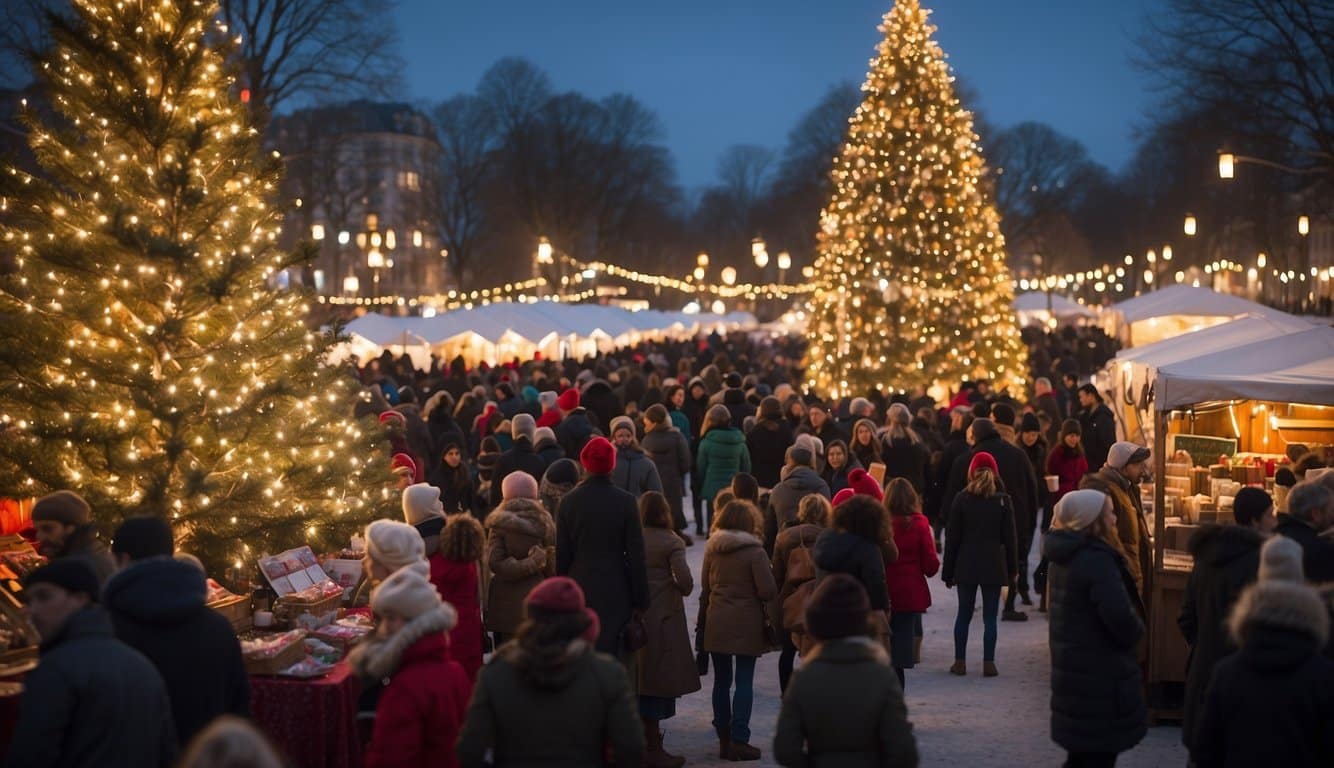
{"type": "Point", "coordinates": [1272, 702]}
{"type": "Point", "coordinates": [521, 458]}
{"type": "Point", "coordinates": [1016, 472]}
{"type": "Point", "coordinates": [980, 542]}
{"type": "Point", "coordinates": [574, 431]}
{"type": "Point", "coordinates": [842, 552]}
{"type": "Point", "coordinates": [1226, 560]}
{"type": "Point", "coordinates": [157, 607]}
{"type": "Point", "coordinates": [1097, 695]}
{"type": "Point", "coordinates": [768, 442]}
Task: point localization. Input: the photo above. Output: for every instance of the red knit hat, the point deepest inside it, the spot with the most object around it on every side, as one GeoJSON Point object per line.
{"type": "Point", "coordinates": [861, 482]}
{"type": "Point", "coordinates": [983, 460]}
{"type": "Point", "coordinates": [843, 495]}
{"type": "Point", "coordinates": [395, 417]}
{"type": "Point", "coordinates": [598, 456]}
{"type": "Point", "coordinates": [568, 400]}
{"type": "Point", "coordinates": [401, 463]}
{"type": "Point", "coordinates": [561, 594]}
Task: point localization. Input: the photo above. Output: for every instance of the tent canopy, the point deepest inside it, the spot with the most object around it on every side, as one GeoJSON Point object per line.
{"type": "Point", "coordinates": [1036, 301]}
{"type": "Point", "coordinates": [1230, 335]}
{"type": "Point", "coordinates": [1185, 300]}
{"type": "Point", "coordinates": [1294, 368]}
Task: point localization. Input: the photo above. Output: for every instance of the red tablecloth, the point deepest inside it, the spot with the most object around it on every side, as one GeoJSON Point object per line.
{"type": "Point", "coordinates": [312, 721]}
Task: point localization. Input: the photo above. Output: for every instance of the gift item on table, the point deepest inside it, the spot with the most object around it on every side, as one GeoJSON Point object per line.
{"type": "Point", "coordinates": [1247, 474]}
{"type": "Point", "coordinates": [1219, 470]}
{"type": "Point", "coordinates": [322, 651]}
{"type": "Point", "coordinates": [345, 571]}
{"type": "Point", "coordinates": [1178, 469]}
{"type": "Point", "coordinates": [270, 653]}
{"type": "Point", "coordinates": [294, 571]}
{"type": "Point", "coordinates": [342, 636]}
{"type": "Point", "coordinates": [1219, 487]}
{"type": "Point", "coordinates": [1199, 480]}
{"type": "Point", "coordinates": [308, 667]}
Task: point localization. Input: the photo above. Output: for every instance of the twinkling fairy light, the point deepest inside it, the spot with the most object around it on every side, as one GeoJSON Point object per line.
{"type": "Point", "coordinates": [914, 288]}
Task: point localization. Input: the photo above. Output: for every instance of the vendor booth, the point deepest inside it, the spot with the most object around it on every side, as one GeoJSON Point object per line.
{"type": "Point", "coordinates": [1046, 309]}
{"type": "Point", "coordinates": [1222, 421]}
{"type": "Point", "coordinates": [1173, 311]}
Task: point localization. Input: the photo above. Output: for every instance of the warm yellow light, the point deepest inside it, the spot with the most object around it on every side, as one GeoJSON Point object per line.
{"type": "Point", "coordinates": [374, 258]}
{"type": "Point", "coordinates": [760, 252]}
{"type": "Point", "coordinates": [1225, 164]}
{"type": "Point", "coordinates": [1189, 226]}
{"type": "Point", "coordinates": [344, 237]}
{"type": "Point", "coordinates": [389, 240]}
{"type": "Point", "coordinates": [1148, 276]}
{"type": "Point", "coordinates": [351, 284]}
{"type": "Point", "coordinates": [1167, 253]}
{"type": "Point", "coordinates": [1151, 256]}
{"type": "Point", "coordinates": [718, 307]}
{"type": "Point", "coordinates": [699, 273]}
{"type": "Point", "coordinates": [1261, 260]}
{"type": "Point", "coordinates": [702, 260]}
{"type": "Point", "coordinates": [316, 231]}
{"type": "Point", "coordinates": [1129, 259]}
{"type": "Point", "coordinates": [544, 251]}
{"type": "Point", "coordinates": [784, 260]}
{"type": "Point", "coordinates": [1303, 226]}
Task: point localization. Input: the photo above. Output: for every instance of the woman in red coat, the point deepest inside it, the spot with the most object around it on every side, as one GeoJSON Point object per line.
{"type": "Point", "coordinates": [1067, 462]}
{"type": "Point", "coordinates": [909, 595]}
{"type": "Point", "coordinates": [421, 709]}
{"type": "Point", "coordinates": [455, 574]}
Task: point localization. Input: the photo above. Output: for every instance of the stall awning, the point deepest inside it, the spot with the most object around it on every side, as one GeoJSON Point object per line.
{"type": "Point", "coordinates": [1230, 335]}
{"type": "Point", "coordinates": [1036, 301]}
{"type": "Point", "coordinates": [1186, 300]}
{"type": "Point", "coordinates": [1294, 368]}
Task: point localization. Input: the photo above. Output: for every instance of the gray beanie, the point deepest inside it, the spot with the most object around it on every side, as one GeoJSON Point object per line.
{"type": "Point", "coordinates": [547, 400]}
{"type": "Point", "coordinates": [523, 425]}
{"type": "Point", "coordinates": [1281, 560]}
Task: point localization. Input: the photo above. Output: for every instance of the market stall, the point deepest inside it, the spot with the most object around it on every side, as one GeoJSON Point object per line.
{"type": "Point", "coordinates": [1172, 311]}
{"type": "Point", "coordinates": [1221, 422]}
{"type": "Point", "coordinates": [1047, 309]}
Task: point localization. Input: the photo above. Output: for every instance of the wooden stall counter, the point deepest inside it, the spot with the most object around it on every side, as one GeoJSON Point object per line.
{"type": "Point", "coordinates": [1168, 650]}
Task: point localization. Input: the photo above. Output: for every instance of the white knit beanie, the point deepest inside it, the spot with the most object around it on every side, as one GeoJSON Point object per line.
{"type": "Point", "coordinates": [406, 594]}
{"type": "Point", "coordinates": [523, 425]}
{"type": "Point", "coordinates": [1078, 509]}
{"type": "Point", "coordinates": [519, 485]}
{"type": "Point", "coordinates": [394, 545]}
{"type": "Point", "coordinates": [421, 502]}
{"type": "Point", "coordinates": [1281, 560]}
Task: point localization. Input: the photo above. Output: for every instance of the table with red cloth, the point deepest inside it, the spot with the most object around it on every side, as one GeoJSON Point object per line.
{"type": "Point", "coordinates": [314, 722]}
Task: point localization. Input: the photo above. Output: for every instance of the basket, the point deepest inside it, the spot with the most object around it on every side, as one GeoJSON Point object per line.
{"type": "Point", "coordinates": [272, 665]}
{"type": "Point", "coordinates": [325, 610]}
{"type": "Point", "coordinates": [235, 609]}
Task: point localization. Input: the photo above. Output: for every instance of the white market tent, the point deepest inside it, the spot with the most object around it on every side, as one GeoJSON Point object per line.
{"type": "Point", "coordinates": [1174, 310]}
{"type": "Point", "coordinates": [504, 330]}
{"type": "Point", "coordinates": [1032, 309]}
{"type": "Point", "coordinates": [1294, 368]}
{"type": "Point", "coordinates": [378, 333]}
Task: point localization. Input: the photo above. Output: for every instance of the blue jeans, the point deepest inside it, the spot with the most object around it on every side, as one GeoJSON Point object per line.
{"type": "Point", "coordinates": [990, 607]}
{"type": "Point", "coordinates": [731, 711]}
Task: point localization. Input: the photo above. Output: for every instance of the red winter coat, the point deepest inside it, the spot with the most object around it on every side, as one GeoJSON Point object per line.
{"type": "Point", "coordinates": [906, 577]}
{"type": "Point", "coordinates": [1071, 469]}
{"type": "Point", "coordinates": [457, 584]}
{"type": "Point", "coordinates": [421, 710]}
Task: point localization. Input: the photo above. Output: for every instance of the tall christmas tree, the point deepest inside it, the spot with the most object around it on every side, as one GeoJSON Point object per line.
{"type": "Point", "coordinates": [914, 286]}
{"type": "Point", "coordinates": [145, 361]}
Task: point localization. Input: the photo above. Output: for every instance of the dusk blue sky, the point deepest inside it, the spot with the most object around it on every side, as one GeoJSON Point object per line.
{"type": "Point", "coordinates": [722, 72]}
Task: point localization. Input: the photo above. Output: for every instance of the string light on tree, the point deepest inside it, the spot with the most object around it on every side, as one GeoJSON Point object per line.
{"type": "Point", "coordinates": [147, 364]}
{"type": "Point", "coordinates": [912, 283]}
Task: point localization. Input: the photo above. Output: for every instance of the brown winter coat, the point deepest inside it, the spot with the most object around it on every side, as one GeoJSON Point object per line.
{"type": "Point", "coordinates": [790, 539]}
{"type": "Point", "coordinates": [736, 585]}
{"type": "Point", "coordinates": [514, 528]}
{"type": "Point", "coordinates": [667, 664]}
{"type": "Point", "coordinates": [1132, 538]}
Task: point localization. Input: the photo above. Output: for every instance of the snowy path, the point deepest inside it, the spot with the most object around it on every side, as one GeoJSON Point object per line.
{"type": "Point", "coordinates": [959, 721]}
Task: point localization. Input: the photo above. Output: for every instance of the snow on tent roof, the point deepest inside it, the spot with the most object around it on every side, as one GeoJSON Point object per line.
{"type": "Point", "coordinates": [1295, 368]}
{"type": "Point", "coordinates": [1036, 301]}
{"type": "Point", "coordinates": [385, 331]}
{"type": "Point", "coordinates": [1186, 300]}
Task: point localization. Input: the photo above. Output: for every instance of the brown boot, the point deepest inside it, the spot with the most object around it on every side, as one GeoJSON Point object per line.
{"type": "Point", "coordinates": [959, 668]}
{"type": "Point", "coordinates": [989, 669]}
{"type": "Point", "coordinates": [741, 752]}
{"type": "Point", "coordinates": [724, 746]}
{"type": "Point", "coordinates": [917, 650]}
{"type": "Point", "coordinates": [654, 755]}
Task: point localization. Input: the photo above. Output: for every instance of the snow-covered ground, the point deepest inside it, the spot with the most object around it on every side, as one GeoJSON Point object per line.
{"type": "Point", "coordinates": [971, 722]}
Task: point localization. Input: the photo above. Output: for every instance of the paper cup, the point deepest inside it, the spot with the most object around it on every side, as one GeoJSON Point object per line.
{"type": "Point", "coordinates": [263, 619]}
{"type": "Point", "coordinates": [1053, 483]}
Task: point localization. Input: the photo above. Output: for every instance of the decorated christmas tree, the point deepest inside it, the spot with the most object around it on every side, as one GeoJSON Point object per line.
{"type": "Point", "coordinates": [914, 286]}
{"type": "Point", "coordinates": [145, 361]}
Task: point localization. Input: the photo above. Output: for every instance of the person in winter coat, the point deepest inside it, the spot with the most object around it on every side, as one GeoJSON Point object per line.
{"type": "Point", "coordinates": [439, 415]}
{"type": "Point", "coordinates": [92, 701]}
{"type": "Point", "coordinates": [819, 723]}
{"type": "Point", "coordinates": [550, 412]}
{"type": "Point", "coordinates": [956, 445]}
{"type": "Point", "coordinates": [1098, 708]}
{"type": "Point", "coordinates": [1119, 479]}
{"type": "Point", "coordinates": [601, 403]}
{"type": "Point", "coordinates": [668, 448]}
{"type": "Point", "coordinates": [547, 698]}
{"type": "Point", "coordinates": [229, 742]}
{"type": "Point", "coordinates": [600, 544]}
{"type": "Point", "coordinates": [456, 575]}
{"type": "Point", "coordinates": [576, 427]}
{"type": "Point", "coordinates": [560, 479]}
{"type": "Point", "coordinates": [839, 461]}
{"type": "Point", "coordinates": [1067, 462]}
{"type": "Point", "coordinates": [736, 585]}
{"type": "Point", "coordinates": [696, 406]}
{"type": "Point", "coordinates": [522, 457]}
{"type": "Point", "coordinates": [799, 481]}
{"type": "Point", "coordinates": [1097, 426]}
{"type": "Point", "coordinates": [733, 398]}
{"type": "Point", "coordinates": [1034, 444]}
{"type": "Point", "coordinates": [634, 472]}
{"type": "Point", "coordinates": [157, 608]}
{"type": "Point", "coordinates": [793, 566]}
{"type": "Point", "coordinates": [64, 525]}
{"type": "Point", "coordinates": [980, 554]}
{"type": "Point", "coordinates": [548, 449]}
{"type": "Point", "coordinates": [458, 489]}
{"type": "Point", "coordinates": [392, 546]}
{"type": "Point", "coordinates": [1227, 559]}
{"type": "Point", "coordinates": [1311, 513]}
{"type": "Point", "coordinates": [864, 444]}
{"type": "Point", "coordinates": [768, 442]}
{"type": "Point", "coordinates": [521, 537]}
{"type": "Point", "coordinates": [674, 401]}
{"type": "Point", "coordinates": [722, 454]}
{"type": "Point", "coordinates": [667, 668]}
{"type": "Point", "coordinates": [859, 544]}
{"type": "Point", "coordinates": [1272, 702]}
{"type": "Point", "coordinates": [819, 423]}
{"type": "Point", "coordinates": [903, 451]}
{"type": "Point", "coordinates": [421, 708]}
{"type": "Point", "coordinates": [905, 578]}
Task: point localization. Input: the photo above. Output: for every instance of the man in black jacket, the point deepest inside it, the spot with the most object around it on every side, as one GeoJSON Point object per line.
{"type": "Point", "coordinates": [1310, 513]}
{"type": "Point", "coordinates": [1098, 427]}
{"type": "Point", "coordinates": [956, 445]}
{"type": "Point", "coordinates": [523, 457]}
{"type": "Point", "coordinates": [157, 607]}
{"type": "Point", "coordinates": [65, 529]}
{"type": "Point", "coordinates": [1016, 472]}
{"type": "Point", "coordinates": [92, 701]}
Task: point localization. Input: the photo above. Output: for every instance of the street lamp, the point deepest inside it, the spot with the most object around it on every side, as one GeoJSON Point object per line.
{"type": "Point", "coordinates": [729, 275]}
{"type": "Point", "coordinates": [1189, 226]}
{"type": "Point", "coordinates": [702, 260]}
{"type": "Point", "coordinates": [760, 251]}
{"type": "Point", "coordinates": [784, 264]}
{"type": "Point", "coordinates": [544, 251]}
{"type": "Point", "coordinates": [1226, 160]}
{"type": "Point", "coordinates": [1303, 226]}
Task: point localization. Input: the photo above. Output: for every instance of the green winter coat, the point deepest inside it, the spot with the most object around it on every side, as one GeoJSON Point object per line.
{"type": "Point", "coordinates": [821, 726]}
{"type": "Point", "coordinates": [722, 455]}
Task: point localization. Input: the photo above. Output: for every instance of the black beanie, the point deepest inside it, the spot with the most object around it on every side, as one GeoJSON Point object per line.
{"type": "Point", "coordinates": [1284, 477]}
{"type": "Point", "coordinates": [838, 608]}
{"type": "Point", "coordinates": [144, 537]}
{"type": "Point", "coordinates": [72, 574]}
{"type": "Point", "coordinates": [562, 471]}
{"type": "Point", "coordinates": [1249, 504]}
{"type": "Point", "coordinates": [1003, 413]}
{"type": "Point", "coordinates": [1030, 423]}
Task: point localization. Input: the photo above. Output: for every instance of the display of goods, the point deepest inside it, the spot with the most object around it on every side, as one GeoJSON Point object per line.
{"type": "Point", "coordinates": [342, 636]}
{"type": "Point", "coordinates": [1199, 480]}
{"type": "Point", "coordinates": [270, 653]}
{"type": "Point", "coordinates": [308, 667]}
{"type": "Point", "coordinates": [1183, 469]}
{"type": "Point", "coordinates": [236, 609]}
{"type": "Point", "coordinates": [22, 562]}
{"type": "Point", "coordinates": [1219, 470]}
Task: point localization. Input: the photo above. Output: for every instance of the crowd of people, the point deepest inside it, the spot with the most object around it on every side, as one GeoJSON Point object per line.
{"type": "Point", "coordinates": [530, 605]}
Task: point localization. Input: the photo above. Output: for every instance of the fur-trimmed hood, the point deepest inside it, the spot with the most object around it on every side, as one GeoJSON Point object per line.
{"type": "Point", "coordinates": [549, 672]}
{"type": "Point", "coordinates": [379, 658]}
{"type": "Point", "coordinates": [525, 516]}
{"type": "Point", "coordinates": [848, 650]}
{"type": "Point", "coordinates": [1270, 613]}
{"type": "Point", "coordinates": [727, 542]}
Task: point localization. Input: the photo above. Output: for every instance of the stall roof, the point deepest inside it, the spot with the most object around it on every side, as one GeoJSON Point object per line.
{"type": "Point", "coordinates": [1295, 368]}
{"type": "Point", "coordinates": [1036, 301]}
{"type": "Point", "coordinates": [1230, 335]}
{"type": "Point", "coordinates": [1186, 300]}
